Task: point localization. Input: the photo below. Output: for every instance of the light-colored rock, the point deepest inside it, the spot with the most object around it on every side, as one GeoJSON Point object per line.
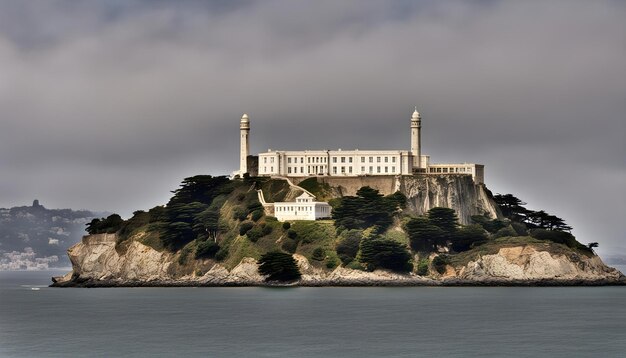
{"type": "Point", "coordinates": [528, 263]}
{"type": "Point", "coordinates": [97, 262]}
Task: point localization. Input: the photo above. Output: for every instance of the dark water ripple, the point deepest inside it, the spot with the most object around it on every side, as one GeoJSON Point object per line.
{"type": "Point", "coordinates": [309, 322]}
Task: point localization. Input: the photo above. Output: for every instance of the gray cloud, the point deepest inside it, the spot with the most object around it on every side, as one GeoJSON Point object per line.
{"type": "Point", "coordinates": [108, 105]}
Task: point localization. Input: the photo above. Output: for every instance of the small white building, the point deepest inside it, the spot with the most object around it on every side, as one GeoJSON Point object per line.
{"type": "Point", "coordinates": [304, 208]}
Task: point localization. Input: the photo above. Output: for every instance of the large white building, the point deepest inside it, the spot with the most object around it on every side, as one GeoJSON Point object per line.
{"type": "Point", "coordinates": [351, 162]}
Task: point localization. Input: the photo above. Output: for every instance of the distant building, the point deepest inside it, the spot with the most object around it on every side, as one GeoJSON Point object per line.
{"type": "Point", "coordinates": [304, 208]}
{"type": "Point", "coordinates": [350, 163]}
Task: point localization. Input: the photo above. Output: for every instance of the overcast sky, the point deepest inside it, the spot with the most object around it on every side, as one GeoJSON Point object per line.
{"type": "Point", "coordinates": [108, 105]}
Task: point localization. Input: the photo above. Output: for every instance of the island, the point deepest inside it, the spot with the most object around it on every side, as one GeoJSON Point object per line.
{"type": "Point", "coordinates": [336, 218]}
{"type": "Point", "coordinates": [433, 230]}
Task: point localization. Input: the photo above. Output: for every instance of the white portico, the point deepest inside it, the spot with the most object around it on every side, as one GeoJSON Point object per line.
{"type": "Point", "coordinates": [304, 208]}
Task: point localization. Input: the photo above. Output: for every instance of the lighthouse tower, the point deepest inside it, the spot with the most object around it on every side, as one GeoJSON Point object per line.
{"type": "Point", "coordinates": [416, 136]}
{"type": "Point", "coordinates": [244, 129]}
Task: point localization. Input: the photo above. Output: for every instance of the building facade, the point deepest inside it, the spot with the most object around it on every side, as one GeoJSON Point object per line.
{"type": "Point", "coordinates": [352, 162]}
{"type": "Point", "coordinates": [304, 208]}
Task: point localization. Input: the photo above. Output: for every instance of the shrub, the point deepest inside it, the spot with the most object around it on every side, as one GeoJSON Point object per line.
{"type": "Point", "coordinates": [422, 267]}
{"type": "Point", "coordinates": [257, 214]}
{"type": "Point", "coordinates": [278, 266]}
{"type": "Point", "coordinates": [290, 246]}
{"type": "Point", "coordinates": [559, 237]}
{"type": "Point", "coordinates": [207, 249]}
{"type": "Point", "coordinates": [266, 229]}
{"type": "Point", "coordinates": [318, 254]}
{"type": "Point", "coordinates": [355, 265]}
{"type": "Point", "coordinates": [468, 237]}
{"type": "Point", "coordinates": [110, 225]}
{"type": "Point", "coordinates": [245, 227]}
{"type": "Point", "coordinates": [490, 225]}
{"type": "Point", "coordinates": [184, 254]}
{"type": "Point", "coordinates": [292, 234]}
{"type": "Point", "coordinates": [348, 248]}
{"type": "Point", "coordinates": [286, 225]}
{"type": "Point", "coordinates": [519, 228]}
{"type": "Point", "coordinates": [270, 219]}
{"type": "Point", "coordinates": [440, 262]}
{"type": "Point", "coordinates": [387, 254]}
{"type": "Point", "coordinates": [240, 213]}
{"type": "Point", "coordinates": [505, 231]}
{"type": "Point", "coordinates": [255, 234]}
{"type": "Point", "coordinates": [221, 254]}
{"type": "Point", "coordinates": [332, 263]}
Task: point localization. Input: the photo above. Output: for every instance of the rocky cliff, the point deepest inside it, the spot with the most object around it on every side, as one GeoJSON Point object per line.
{"type": "Point", "coordinates": [98, 261]}
{"type": "Point", "coordinates": [424, 192]}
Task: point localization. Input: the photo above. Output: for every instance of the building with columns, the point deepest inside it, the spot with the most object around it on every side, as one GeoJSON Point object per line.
{"type": "Point", "coordinates": [355, 162]}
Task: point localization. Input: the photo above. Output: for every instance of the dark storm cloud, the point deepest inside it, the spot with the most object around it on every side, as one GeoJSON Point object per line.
{"type": "Point", "coordinates": [107, 105]}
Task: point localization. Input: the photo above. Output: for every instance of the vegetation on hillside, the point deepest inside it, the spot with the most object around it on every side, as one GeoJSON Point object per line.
{"type": "Point", "coordinates": [214, 218]}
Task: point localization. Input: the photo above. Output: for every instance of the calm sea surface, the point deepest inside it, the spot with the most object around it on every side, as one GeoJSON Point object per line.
{"type": "Point", "coordinates": [308, 322]}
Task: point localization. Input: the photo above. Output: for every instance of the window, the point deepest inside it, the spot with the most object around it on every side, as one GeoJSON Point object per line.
{"type": "Point", "coordinates": [371, 170]}
{"type": "Point", "coordinates": [377, 159]}
{"type": "Point", "coordinates": [334, 170]}
{"type": "Point", "coordinates": [272, 160]}
{"type": "Point", "coordinates": [343, 159]}
{"type": "Point", "coordinates": [334, 159]}
{"type": "Point", "coordinates": [371, 159]}
{"type": "Point", "coordinates": [350, 170]}
{"type": "Point", "coordinates": [393, 159]}
{"type": "Point", "coordinates": [301, 160]}
{"type": "Point", "coordinates": [289, 160]}
{"type": "Point", "coordinates": [362, 169]}
{"type": "Point", "coordinates": [264, 160]}
{"type": "Point", "coordinates": [393, 169]}
{"type": "Point", "coordinates": [272, 169]}
{"type": "Point", "coordinates": [362, 159]}
{"type": "Point", "coordinates": [289, 170]}
{"type": "Point", "coordinates": [301, 169]}
{"type": "Point", "coordinates": [265, 169]}
{"type": "Point", "coordinates": [377, 169]}
{"type": "Point", "coordinates": [386, 169]}
{"type": "Point", "coordinates": [350, 160]}
{"type": "Point", "coordinates": [343, 170]}
{"type": "Point", "coordinates": [386, 159]}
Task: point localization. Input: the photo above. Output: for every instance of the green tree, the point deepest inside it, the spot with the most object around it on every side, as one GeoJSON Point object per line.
{"type": "Point", "coordinates": [511, 207]}
{"type": "Point", "coordinates": [424, 236]}
{"type": "Point", "coordinates": [278, 266]}
{"type": "Point", "coordinates": [369, 208]}
{"type": "Point", "coordinates": [468, 237]}
{"type": "Point", "coordinates": [387, 254]}
{"type": "Point", "coordinates": [348, 247]}
{"type": "Point", "coordinates": [206, 249]}
{"type": "Point", "coordinates": [444, 218]}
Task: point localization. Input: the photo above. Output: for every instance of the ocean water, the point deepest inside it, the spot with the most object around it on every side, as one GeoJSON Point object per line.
{"type": "Point", "coordinates": [309, 322]}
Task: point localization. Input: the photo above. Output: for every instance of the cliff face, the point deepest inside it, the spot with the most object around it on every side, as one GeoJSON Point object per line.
{"type": "Point", "coordinates": [457, 192]}
{"type": "Point", "coordinates": [97, 262]}
{"type": "Point", "coordinates": [424, 192]}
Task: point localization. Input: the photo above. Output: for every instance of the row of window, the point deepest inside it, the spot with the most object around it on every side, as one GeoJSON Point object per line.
{"type": "Point", "coordinates": [379, 170]}
{"type": "Point", "coordinates": [323, 209]}
{"type": "Point", "coordinates": [334, 159]}
{"type": "Point", "coordinates": [450, 170]}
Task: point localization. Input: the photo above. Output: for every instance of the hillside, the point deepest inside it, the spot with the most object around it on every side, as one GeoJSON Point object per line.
{"type": "Point", "coordinates": [34, 237]}
{"type": "Point", "coordinates": [215, 231]}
